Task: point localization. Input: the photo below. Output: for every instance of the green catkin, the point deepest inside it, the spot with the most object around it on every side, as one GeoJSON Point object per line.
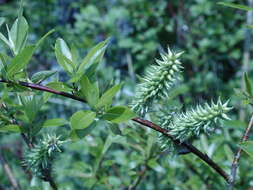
{"type": "Point", "coordinates": [157, 82]}
{"type": "Point", "coordinates": [192, 122]}
{"type": "Point", "coordinates": [39, 159]}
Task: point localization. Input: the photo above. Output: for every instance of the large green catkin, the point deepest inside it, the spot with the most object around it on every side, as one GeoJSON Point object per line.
{"type": "Point", "coordinates": [39, 159]}
{"type": "Point", "coordinates": [157, 82]}
{"type": "Point", "coordinates": [192, 122]}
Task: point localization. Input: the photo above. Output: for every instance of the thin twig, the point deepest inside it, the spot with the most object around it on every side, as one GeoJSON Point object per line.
{"type": "Point", "coordinates": [14, 183]}
{"type": "Point", "coordinates": [143, 122]}
{"type": "Point", "coordinates": [238, 155]}
{"type": "Point", "coordinates": [43, 88]}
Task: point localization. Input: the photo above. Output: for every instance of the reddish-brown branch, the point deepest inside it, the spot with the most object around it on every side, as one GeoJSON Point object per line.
{"type": "Point", "coordinates": [143, 122]}
{"type": "Point", "coordinates": [43, 88]}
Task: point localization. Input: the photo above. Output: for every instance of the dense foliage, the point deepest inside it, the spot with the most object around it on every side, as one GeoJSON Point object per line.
{"type": "Point", "coordinates": [71, 80]}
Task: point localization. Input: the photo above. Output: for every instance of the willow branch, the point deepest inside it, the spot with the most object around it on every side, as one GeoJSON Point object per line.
{"type": "Point", "coordinates": [194, 150]}
{"type": "Point", "coordinates": [237, 156]}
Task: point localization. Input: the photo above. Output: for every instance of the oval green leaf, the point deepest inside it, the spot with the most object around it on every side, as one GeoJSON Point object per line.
{"type": "Point", "coordinates": [10, 128]}
{"type": "Point", "coordinates": [118, 114]}
{"type": "Point", "coordinates": [55, 122]}
{"type": "Point", "coordinates": [82, 119]}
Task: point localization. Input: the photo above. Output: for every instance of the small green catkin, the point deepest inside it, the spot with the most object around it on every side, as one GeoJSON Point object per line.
{"type": "Point", "coordinates": [39, 159]}
{"type": "Point", "coordinates": [192, 122]}
{"type": "Point", "coordinates": [157, 82]}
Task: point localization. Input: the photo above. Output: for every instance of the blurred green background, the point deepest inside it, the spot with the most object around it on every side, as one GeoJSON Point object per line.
{"type": "Point", "coordinates": [216, 44]}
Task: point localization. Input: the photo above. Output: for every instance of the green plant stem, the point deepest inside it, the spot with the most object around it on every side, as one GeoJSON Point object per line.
{"type": "Point", "coordinates": [237, 156]}
{"type": "Point", "coordinates": [194, 150]}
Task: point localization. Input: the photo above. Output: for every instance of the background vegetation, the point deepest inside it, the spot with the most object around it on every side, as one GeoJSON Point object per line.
{"type": "Point", "coordinates": [216, 45]}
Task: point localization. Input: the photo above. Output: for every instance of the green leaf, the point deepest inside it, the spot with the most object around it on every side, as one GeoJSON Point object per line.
{"type": "Point", "coordinates": [82, 119]}
{"type": "Point", "coordinates": [93, 57]}
{"type": "Point", "coordinates": [247, 84]}
{"type": "Point", "coordinates": [31, 106]}
{"type": "Point", "coordinates": [78, 134]}
{"type": "Point", "coordinates": [10, 128]}
{"type": "Point", "coordinates": [11, 42]}
{"type": "Point", "coordinates": [55, 122]}
{"type": "Point", "coordinates": [3, 65]}
{"type": "Point", "coordinates": [89, 90]}
{"type": "Point", "coordinates": [106, 98]}
{"type": "Point", "coordinates": [248, 147]}
{"type": "Point", "coordinates": [63, 56]}
{"type": "Point", "coordinates": [42, 75]}
{"type": "Point", "coordinates": [118, 114]}
{"type": "Point", "coordinates": [4, 59]}
{"type": "Point", "coordinates": [20, 61]}
{"type": "Point", "coordinates": [64, 48]}
{"type": "Point", "coordinates": [237, 6]}
{"type": "Point", "coordinates": [5, 40]}
{"type": "Point", "coordinates": [18, 34]}
{"type": "Point", "coordinates": [75, 54]}
{"type": "Point", "coordinates": [234, 124]}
